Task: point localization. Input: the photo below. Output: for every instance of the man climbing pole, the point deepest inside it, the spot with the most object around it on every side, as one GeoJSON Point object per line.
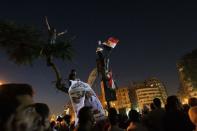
{"type": "Point", "coordinates": [103, 51]}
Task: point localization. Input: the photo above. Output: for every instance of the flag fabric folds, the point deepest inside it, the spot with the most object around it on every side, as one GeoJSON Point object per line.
{"type": "Point", "coordinates": [111, 42]}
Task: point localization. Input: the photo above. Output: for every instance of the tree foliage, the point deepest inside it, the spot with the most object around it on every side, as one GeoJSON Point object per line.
{"type": "Point", "coordinates": [25, 44]}
{"type": "Point", "coordinates": [189, 63]}
{"type": "Point", "coordinates": [21, 43]}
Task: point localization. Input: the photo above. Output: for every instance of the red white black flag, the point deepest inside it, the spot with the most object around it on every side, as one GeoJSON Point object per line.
{"type": "Point", "coordinates": [111, 42]}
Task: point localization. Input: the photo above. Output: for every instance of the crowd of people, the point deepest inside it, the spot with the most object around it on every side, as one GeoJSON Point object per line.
{"type": "Point", "coordinates": [18, 112]}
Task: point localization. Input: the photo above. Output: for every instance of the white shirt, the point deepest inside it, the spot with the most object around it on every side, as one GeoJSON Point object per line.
{"type": "Point", "coordinates": [77, 92]}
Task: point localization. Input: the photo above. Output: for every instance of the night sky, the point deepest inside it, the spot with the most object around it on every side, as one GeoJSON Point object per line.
{"type": "Point", "coordinates": [153, 36]}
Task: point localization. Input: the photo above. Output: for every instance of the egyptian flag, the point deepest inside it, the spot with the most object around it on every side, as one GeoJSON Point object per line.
{"type": "Point", "coordinates": [111, 42]}
{"type": "Point", "coordinates": [111, 81]}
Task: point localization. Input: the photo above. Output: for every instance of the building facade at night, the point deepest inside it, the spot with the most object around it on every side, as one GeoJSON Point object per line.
{"type": "Point", "coordinates": [187, 72]}
{"type": "Point", "coordinates": [123, 103]}
{"type": "Point", "coordinates": [145, 92]}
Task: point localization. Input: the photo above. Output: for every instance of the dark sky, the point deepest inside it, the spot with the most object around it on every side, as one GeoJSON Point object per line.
{"type": "Point", "coordinates": [153, 36]}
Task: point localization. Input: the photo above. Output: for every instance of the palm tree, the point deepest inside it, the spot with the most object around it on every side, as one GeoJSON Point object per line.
{"type": "Point", "coordinates": [25, 44]}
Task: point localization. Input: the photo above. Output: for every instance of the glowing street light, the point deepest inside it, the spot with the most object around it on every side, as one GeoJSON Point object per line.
{"type": "Point", "coordinates": [1, 83]}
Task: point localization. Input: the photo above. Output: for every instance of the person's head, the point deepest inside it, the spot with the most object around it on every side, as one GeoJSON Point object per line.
{"type": "Point", "coordinates": [152, 106]}
{"type": "Point", "coordinates": [173, 104]}
{"type": "Point", "coordinates": [145, 110]}
{"type": "Point", "coordinates": [43, 110]}
{"type": "Point", "coordinates": [13, 98]}
{"type": "Point", "coordinates": [192, 101]}
{"type": "Point", "coordinates": [122, 117]}
{"type": "Point", "coordinates": [22, 92]}
{"type": "Point", "coordinates": [157, 102]}
{"type": "Point", "coordinates": [86, 116]}
{"type": "Point", "coordinates": [32, 117]}
{"type": "Point", "coordinates": [134, 116]}
{"type": "Point", "coordinates": [52, 124]}
{"type": "Point", "coordinates": [113, 116]}
{"type": "Point", "coordinates": [186, 108]}
{"type": "Point", "coordinates": [193, 115]}
{"type": "Point", "coordinates": [59, 119]}
{"type": "Point", "coordinates": [73, 74]}
{"type": "Point", "coordinates": [26, 119]}
{"type": "Point", "coordinates": [67, 119]}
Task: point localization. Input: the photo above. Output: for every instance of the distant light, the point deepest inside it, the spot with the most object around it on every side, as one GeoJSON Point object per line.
{"type": "Point", "coordinates": [62, 123]}
{"type": "Point", "coordinates": [127, 111]}
{"type": "Point", "coordinates": [53, 118]}
{"type": "Point", "coordinates": [67, 111]}
{"type": "Point", "coordinates": [185, 101]}
{"type": "Point", "coordinates": [180, 69]}
{"type": "Point", "coordinates": [151, 85]}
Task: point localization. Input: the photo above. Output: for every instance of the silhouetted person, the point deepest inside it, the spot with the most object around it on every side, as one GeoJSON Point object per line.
{"type": "Point", "coordinates": [86, 119]}
{"type": "Point", "coordinates": [156, 116]}
{"type": "Point", "coordinates": [152, 106]}
{"type": "Point", "coordinates": [53, 126]}
{"type": "Point", "coordinates": [73, 75]}
{"type": "Point", "coordinates": [186, 108]}
{"type": "Point", "coordinates": [123, 121]}
{"type": "Point", "coordinates": [43, 110]}
{"type": "Point", "coordinates": [67, 120]}
{"type": "Point", "coordinates": [103, 52]}
{"type": "Point", "coordinates": [145, 110]}
{"type": "Point", "coordinates": [135, 125]}
{"type": "Point", "coordinates": [192, 102]}
{"type": "Point", "coordinates": [52, 33]}
{"type": "Point", "coordinates": [144, 115]}
{"type": "Point", "coordinates": [175, 119]}
{"type": "Point", "coordinates": [52, 36]}
{"type": "Point", "coordinates": [113, 118]}
{"type": "Point", "coordinates": [13, 98]}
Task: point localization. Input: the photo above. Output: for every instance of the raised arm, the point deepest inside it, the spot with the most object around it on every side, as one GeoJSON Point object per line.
{"type": "Point", "coordinates": [47, 23]}
{"type": "Point", "coordinates": [62, 33]}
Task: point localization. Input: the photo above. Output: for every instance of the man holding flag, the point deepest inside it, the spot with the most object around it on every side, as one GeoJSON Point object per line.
{"type": "Point", "coordinates": [103, 51]}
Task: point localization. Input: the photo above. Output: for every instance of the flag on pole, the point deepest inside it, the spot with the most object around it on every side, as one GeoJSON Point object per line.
{"type": "Point", "coordinates": [111, 81]}
{"type": "Point", "coordinates": [111, 42]}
